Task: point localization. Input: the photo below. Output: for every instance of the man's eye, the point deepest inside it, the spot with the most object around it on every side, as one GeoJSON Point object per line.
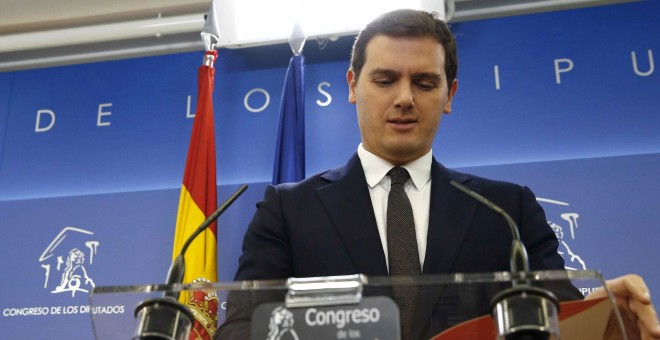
{"type": "Point", "coordinates": [426, 86]}
{"type": "Point", "coordinates": [383, 82]}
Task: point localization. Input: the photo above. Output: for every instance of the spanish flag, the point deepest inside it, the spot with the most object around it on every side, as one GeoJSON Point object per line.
{"type": "Point", "coordinates": [197, 201]}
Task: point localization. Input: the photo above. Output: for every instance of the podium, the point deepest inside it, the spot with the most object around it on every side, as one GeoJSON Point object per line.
{"type": "Point", "coordinates": [453, 306]}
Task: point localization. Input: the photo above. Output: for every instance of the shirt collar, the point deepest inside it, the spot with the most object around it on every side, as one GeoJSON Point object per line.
{"type": "Point", "coordinates": [376, 168]}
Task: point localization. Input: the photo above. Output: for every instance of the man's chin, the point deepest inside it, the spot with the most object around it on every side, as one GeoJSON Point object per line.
{"type": "Point", "coordinates": [404, 154]}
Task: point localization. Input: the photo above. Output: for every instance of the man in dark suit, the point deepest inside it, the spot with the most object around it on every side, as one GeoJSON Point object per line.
{"type": "Point", "coordinates": [402, 80]}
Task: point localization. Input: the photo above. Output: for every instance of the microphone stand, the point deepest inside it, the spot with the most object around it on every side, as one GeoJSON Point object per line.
{"type": "Point", "coordinates": [166, 317]}
{"type": "Point", "coordinates": [522, 312]}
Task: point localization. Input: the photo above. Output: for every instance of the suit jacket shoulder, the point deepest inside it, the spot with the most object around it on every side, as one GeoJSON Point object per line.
{"type": "Point", "coordinates": [321, 226]}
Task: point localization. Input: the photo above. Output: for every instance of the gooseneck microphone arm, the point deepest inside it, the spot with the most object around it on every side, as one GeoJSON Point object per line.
{"type": "Point", "coordinates": [519, 260]}
{"type": "Point", "coordinates": [178, 267]}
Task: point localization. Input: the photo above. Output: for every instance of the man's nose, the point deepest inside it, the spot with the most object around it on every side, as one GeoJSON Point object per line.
{"type": "Point", "coordinates": [404, 99]}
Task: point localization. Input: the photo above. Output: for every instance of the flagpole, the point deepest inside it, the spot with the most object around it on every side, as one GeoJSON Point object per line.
{"type": "Point", "coordinates": [199, 197]}
{"type": "Point", "coordinates": [289, 165]}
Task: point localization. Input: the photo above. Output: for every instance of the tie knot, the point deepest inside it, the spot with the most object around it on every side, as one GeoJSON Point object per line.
{"type": "Point", "coordinates": [398, 175]}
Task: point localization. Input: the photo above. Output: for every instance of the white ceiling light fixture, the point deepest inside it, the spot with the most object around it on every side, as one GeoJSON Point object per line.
{"type": "Point", "coordinates": [260, 22]}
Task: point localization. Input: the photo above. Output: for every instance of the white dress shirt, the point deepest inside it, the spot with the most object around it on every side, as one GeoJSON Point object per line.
{"type": "Point", "coordinates": [418, 188]}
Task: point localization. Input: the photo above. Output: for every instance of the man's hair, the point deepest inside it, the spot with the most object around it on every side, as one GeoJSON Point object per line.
{"type": "Point", "coordinates": [407, 23]}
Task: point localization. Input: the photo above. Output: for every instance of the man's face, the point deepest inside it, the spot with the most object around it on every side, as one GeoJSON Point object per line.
{"type": "Point", "coordinates": [401, 95]}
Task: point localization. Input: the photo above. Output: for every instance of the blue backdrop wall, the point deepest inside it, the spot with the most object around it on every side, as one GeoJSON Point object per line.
{"type": "Point", "coordinates": [92, 156]}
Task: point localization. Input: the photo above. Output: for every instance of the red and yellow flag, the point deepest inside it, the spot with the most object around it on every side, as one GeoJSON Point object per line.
{"type": "Point", "coordinates": [198, 200]}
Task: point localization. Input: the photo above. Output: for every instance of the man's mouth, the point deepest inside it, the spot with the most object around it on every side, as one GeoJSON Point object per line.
{"type": "Point", "coordinates": [402, 121]}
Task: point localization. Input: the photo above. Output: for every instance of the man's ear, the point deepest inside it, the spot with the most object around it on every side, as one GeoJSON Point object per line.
{"type": "Point", "coordinates": [351, 79]}
{"type": "Point", "coordinates": [452, 92]}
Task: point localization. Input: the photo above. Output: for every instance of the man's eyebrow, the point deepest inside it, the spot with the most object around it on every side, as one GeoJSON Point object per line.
{"type": "Point", "coordinates": [383, 72]}
{"type": "Point", "coordinates": [427, 75]}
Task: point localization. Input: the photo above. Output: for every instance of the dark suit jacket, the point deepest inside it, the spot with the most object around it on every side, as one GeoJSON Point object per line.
{"type": "Point", "coordinates": [325, 225]}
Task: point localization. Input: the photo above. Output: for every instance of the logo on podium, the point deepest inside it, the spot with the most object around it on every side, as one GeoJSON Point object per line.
{"type": "Point", "coordinates": [372, 318]}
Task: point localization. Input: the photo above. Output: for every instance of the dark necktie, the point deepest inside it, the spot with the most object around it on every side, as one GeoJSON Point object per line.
{"type": "Point", "coordinates": [403, 256]}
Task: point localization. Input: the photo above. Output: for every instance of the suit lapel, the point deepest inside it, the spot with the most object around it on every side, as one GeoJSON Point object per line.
{"type": "Point", "coordinates": [348, 204]}
{"type": "Point", "coordinates": [449, 218]}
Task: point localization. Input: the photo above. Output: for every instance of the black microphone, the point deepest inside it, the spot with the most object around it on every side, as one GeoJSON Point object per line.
{"type": "Point", "coordinates": [178, 267]}
{"type": "Point", "coordinates": [166, 318]}
{"type": "Point", "coordinates": [523, 311]}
